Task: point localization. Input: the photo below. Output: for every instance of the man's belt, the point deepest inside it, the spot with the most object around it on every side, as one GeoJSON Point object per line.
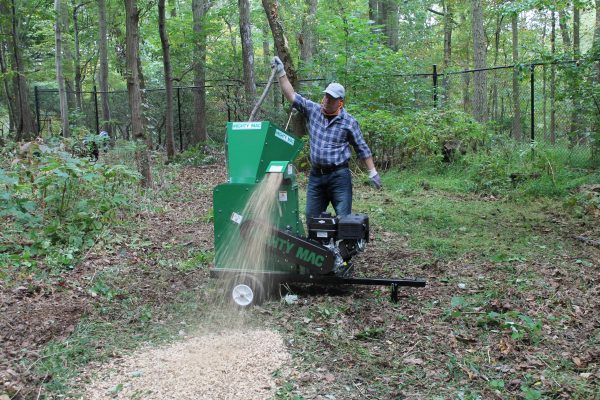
{"type": "Point", "coordinates": [326, 169]}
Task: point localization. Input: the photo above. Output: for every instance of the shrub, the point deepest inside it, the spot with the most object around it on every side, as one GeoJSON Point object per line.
{"type": "Point", "coordinates": [195, 156]}
{"type": "Point", "coordinates": [53, 205]}
{"type": "Point", "coordinates": [434, 134]}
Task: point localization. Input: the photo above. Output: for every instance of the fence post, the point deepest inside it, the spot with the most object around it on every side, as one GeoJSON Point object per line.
{"type": "Point", "coordinates": [435, 85]}
{"type": "Point", "coordinates": [179, 119]}
{"type": "Point", "coordinates": [96, 110]}
{"type": "Point", "coordinates": [532, 84]}
{"type": "Point", "coordinates": [37, 109]}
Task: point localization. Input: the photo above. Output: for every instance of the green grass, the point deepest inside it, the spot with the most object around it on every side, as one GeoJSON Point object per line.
{"type": "Point", "coordinates": [439, 211]}
{"type": "Point", "coordinates": [450, 227]}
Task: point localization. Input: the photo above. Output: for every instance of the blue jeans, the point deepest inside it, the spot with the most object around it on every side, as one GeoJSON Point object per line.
{"type": "Point", "coordinates": [334, 188]}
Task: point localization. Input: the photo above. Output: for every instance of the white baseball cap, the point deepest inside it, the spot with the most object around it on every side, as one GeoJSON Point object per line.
{"type": "Point", "coordinates": [335, 90]}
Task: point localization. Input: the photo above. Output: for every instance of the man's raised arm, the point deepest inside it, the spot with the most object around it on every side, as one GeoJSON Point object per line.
{"type": "Point", "coordinates": [284, 83]}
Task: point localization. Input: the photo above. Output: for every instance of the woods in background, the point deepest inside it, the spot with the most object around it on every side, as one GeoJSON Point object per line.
{"type": "Point", "coordinates": [221, 50]}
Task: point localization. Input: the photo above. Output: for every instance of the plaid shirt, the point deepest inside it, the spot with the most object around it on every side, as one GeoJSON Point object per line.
{"type": "Point", "coordinates": [330, 140]}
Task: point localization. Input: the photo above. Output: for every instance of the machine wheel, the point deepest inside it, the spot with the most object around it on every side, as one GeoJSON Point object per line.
{"type": "Point", "coordinates": [246, 291]}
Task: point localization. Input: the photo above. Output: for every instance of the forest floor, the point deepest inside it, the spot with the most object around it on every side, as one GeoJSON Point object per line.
{"type": "Point", "coordinates": [511, 327]}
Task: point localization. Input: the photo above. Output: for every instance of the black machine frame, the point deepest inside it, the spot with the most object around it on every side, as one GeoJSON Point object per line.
{"type": "Point", "coordinates": [279, 277]}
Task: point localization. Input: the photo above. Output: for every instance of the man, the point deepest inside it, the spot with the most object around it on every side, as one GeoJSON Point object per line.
{"type": "Point", "coordinates": [331, 132]}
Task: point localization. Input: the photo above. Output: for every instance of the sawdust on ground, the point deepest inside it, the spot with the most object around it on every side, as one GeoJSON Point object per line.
{"type": "Point", "coordinates": [234, 364]}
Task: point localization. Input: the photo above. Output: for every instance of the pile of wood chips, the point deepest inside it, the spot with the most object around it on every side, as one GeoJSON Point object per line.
{"type": "Point", "coordinates": [235, 364]}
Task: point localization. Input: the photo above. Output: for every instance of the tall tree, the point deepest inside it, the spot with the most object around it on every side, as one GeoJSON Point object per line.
{"type": "Point", "coordinates": [564, 29]}
{"type": "Point", "coordinates": [576, 30]}
{"type": "Point", "coordinates": [385, 13]}
{"type": "Point", "coordinates": [448, 25]}
{"type": "Point", "coordinates": [392, 24]}
{"type": "Point", "coordinates": [164, 41]}
{"type": "Point", "coordinates": [24, 121]}
{"type": "Point", "coordinates": [67, 54]}
{"type": "Point", "coordinates": [103, 73]}
{"type": "Point", "coordinates": [134, 90]}
{"type": "Point", "coordinates": [306, 38]}
{"type": "Point", "coordinates": [281, 46]}
{"type": "Point", "coordinates": [466, 78]}
{"type": "Point", "coordinates": [373, 10]}
{"type": "Point", "coordinates": [596, 55]}
{"type": "Point", "coordinates": [576, 122]}
{"type": "Point", "coordinates": [247, 53]}
{"type": "Point", "coordinates": [6, 91]}
{"type": "Point", "coordinates": [553, 79]}
{"type": "Point", "coordinates": [78, 75]}
{"type": "Point", "coordinates": [516, 122]}
{"type": "Point", "coordinates": [479, 52]}
{"type": "Point", "coordinates": [497, 32]}
{"type": "Point", "coordinates": [279, 39]}
{"type": "Point", "coordinates": [60, 78]}
{"type": "Point", "coordinates": [199, 10]}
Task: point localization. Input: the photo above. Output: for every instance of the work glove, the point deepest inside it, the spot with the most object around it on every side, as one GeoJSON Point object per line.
{"type": "Point", "coordinates": [278, 65]}
{"type": "Point", "coordinates": [375, 178]}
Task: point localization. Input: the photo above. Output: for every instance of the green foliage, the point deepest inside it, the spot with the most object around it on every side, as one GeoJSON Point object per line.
{"type": "Point", "coordinates": [520, 325]}
{"type": "Point", "coordinates": [370, 332]}
{"type": "Point", "coordinates": [195, 156]}
{"type": "Point", "coordinates": [54, 205]}
{"type": "Point", "coordinates": [286, 392]}
{"type": "Point", "coordinates": [431, 134]}
{"type": "Point", "coordinates": [200, 260]}
{"type": "Point", "coordinates": [532, 169]}
{"type": "Point", "coordinates": [584, 201]}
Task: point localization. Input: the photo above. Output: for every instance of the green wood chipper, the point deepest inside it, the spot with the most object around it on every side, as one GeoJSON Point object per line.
{"type": "Point", "coordinates": [255, 149]}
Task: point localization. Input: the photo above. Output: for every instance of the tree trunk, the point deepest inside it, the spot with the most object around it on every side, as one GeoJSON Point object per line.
{"type": "Point", "coordinates": [247, 54]}
{"type": "Point", "coordinates": [77, 57]}
{"type": "Point", "coordinates": [24, 122]}
{"type": "Point", "coordinates": [466, 77]}
{"type": "Point", "coordinates": [381, 13]}
{"type": "Point", "coordinates": [499, 20]}
{"type": "Point", "coordinates": [60, 78]}
{"type": "Point", "coordinates": [564, 30]}
{"type": "Point", "coordinates": [199, 10]}
{"type": "Point", "coordinates": [553, 80]}
{"type": "Point", "coordinates": [516, 95]}
{"type": "Point", "coordinates": [392, 24]}
{"type": "Point", "coordinates": [5, 81]}
{"type": "Point", "coordinates": [306, 39]}
{"type": "Point", "coordinates": [103, 73]}
{"type": "Point", "coordinates": [544, 80]}
{"type": "Point", "coordinates": [135, 92]}
{"type": "Point", "coordinates": [596, 55]}
{"type": "Point", "coordinates": [447, 48]}
{"type": "Point", "coordinates": [67, 59]}
{"type": "Point", "coordinates": [373, 10]}
{"type": "Point", "coordinates": [576, 35]}
{"type": "Point", "coordinates": [280, 41]}
{"type": "Point", "coordinates": [466, 92]}
{"type": "Point", "coordinates": [164, 41]}
{"type": "Point", "coordinates": [576, 123]}
{"type": "Point", "coordinates": [282, 49]}
{"type": "Point", "coordinates": [479, 50]}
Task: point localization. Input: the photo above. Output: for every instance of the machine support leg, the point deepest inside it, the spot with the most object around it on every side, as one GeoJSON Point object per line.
{"type": "Point", "coordinates": [394, 292]}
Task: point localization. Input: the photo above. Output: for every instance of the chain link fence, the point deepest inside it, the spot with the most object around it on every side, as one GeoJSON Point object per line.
{"type": "Point", "coordinates": [551, 104]}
